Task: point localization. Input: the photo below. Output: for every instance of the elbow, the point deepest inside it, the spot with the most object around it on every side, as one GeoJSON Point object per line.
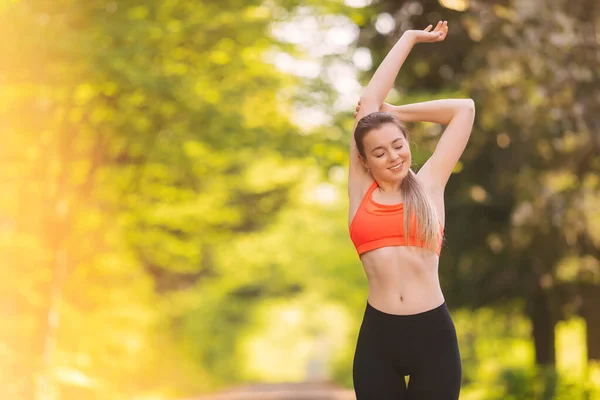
{"type": "Point", "coordinates": [469, 104]}
{"type": "Point", "coordinates": [466, 106]}
{"type": "Point", "coordinates": [370, 101]}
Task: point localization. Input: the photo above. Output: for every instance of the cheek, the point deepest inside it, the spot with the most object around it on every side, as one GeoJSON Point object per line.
{"type": "Point", "coordinates": [381, 162]}
{"type": "Point", "coordinates": [374, 161]}
{"type": "Point", "coordinates": [406, 154]}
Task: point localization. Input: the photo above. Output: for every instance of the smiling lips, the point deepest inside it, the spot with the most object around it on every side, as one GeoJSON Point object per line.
{"type": "Point", "coordinates": [397, 166]}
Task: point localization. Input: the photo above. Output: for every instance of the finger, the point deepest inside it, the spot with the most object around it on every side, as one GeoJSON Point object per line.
{"type": "Point", "coordinates": [428, 28]}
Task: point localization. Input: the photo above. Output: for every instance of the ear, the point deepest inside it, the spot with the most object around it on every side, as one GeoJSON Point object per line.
{"type": "Point", "coordinates": [363, 162]}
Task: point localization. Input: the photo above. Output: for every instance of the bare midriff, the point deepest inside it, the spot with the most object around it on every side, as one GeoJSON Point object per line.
{"type": "Point", "coordinates": [403, 280]}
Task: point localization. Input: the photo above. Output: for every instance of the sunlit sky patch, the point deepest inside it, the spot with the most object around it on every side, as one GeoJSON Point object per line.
{"type": "Point", "coordinates": [309, 118]}
{"type": "Point", "coordinates": [317, 37]}
{"type": "Point", "coordinates": [306, 68]}
{"type": "Point", "coordinates": [325, 35]}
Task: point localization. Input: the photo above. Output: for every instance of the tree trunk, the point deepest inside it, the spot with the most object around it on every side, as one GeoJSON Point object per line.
{"type": "Point", "coordinates": [543, 322]}
{"type": "Point", "coordinates": [591, 314]}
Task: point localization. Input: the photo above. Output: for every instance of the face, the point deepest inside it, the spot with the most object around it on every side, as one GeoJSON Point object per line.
{"type": "Point", "coordinates": [387, 153]}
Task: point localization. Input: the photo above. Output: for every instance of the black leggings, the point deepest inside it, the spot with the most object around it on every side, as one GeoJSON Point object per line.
{"type": "Point", "coordinates": [390, 347]}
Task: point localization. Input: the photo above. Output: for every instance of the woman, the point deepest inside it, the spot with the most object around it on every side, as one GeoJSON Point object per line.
{"type": "Point", "coordinates": [406, 328]}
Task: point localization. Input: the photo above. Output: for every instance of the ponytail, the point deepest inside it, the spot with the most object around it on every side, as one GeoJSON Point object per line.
{"type": "Point", "coordinates": [418, 206]}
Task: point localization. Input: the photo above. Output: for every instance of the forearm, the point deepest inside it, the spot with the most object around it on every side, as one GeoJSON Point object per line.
{"type": "Point", "coordinates": [438, 111]}
{"type": "Point", "coordinates": [383, 80]}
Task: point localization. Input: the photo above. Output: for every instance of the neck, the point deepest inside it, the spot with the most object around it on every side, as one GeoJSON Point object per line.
{"type": "Point", "coordinates": [389, 187]}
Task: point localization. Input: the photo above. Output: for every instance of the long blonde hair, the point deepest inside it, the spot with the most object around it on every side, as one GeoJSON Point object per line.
{"type": "Point", "coordinates": [416, 202]}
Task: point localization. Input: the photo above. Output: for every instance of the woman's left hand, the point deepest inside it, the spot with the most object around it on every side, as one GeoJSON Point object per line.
{"type": "Point", "coordinates": [427, 35]}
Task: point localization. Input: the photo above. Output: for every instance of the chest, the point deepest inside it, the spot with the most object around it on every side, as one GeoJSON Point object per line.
{"type": "Point", "coordinates": [376, 220]}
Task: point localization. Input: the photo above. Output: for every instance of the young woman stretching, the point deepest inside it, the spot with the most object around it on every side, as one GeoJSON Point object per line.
{"type": "Point", "coordinates": [396, 222]}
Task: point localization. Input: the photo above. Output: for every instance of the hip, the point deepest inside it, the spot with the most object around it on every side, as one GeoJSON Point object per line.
{"type": "Point", "coordinates": [407, 341]}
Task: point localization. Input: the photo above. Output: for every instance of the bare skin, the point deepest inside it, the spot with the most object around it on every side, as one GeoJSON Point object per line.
{"type": "Point", "coordinates": [404, 280]}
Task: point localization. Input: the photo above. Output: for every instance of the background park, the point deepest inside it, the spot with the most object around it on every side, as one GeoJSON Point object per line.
{"type": "Point", "coordinates": [173, 211]}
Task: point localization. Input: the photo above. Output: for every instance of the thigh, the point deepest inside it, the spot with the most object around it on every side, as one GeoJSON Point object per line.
{"type": "Point", "coordinates": [439, 374]}
{"type": "Point", "coordinates": [374, 378]}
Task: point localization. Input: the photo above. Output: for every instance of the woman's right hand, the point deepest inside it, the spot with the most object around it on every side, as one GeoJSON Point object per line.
{"type": "Point", "coordinates": [430, 36]}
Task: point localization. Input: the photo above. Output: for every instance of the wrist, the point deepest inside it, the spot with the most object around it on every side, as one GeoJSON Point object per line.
{"type": "Point", "coordinates": [388, 108]}
{"type": "Point", "coordinates": [409, 36]}
{"type": "Point", "coordinates": [397, 112]}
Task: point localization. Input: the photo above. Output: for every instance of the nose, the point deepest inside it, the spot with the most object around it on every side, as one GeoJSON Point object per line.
{"type": "Point", "coordinates": [393, 156]}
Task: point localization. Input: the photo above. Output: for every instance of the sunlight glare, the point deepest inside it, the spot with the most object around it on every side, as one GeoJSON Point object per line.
{"type": "Point", "coordinates": [326, 194]}
{"type": "Point", "coordinates": [357, 3]}
{"type": "Point", "coordinates": [385, 23]}
{"type": "Point", "coordinates": [457, 5]}
{"type": "Point", "coordinates": [362, 59]}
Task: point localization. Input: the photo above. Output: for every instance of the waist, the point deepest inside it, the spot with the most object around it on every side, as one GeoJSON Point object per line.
{"type": "Point", "coordinates": [412, 301]}
{"type": "Point", "coordinates": [403, 280]}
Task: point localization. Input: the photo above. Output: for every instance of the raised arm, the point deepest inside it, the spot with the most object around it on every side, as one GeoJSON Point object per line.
{"type": "Point", "coordinates": [437, 111]}
{"type": "Point", "coordinates": [378, 89]}
{"type": "Point", "coordinates": [458, 115]}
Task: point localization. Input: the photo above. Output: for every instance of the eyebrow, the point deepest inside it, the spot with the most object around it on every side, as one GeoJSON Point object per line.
{"type": "Point", "coordinates": [381, 147]}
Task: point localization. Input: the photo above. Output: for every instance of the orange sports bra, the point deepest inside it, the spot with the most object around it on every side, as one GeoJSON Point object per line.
{"type": "Point", "coordinates": [380, 225]}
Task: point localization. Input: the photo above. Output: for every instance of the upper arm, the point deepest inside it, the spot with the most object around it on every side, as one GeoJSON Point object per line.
{"type": "Point", "coordinates": [438, 168]}
{"type": "Point", "coordinates": [358, 178]}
